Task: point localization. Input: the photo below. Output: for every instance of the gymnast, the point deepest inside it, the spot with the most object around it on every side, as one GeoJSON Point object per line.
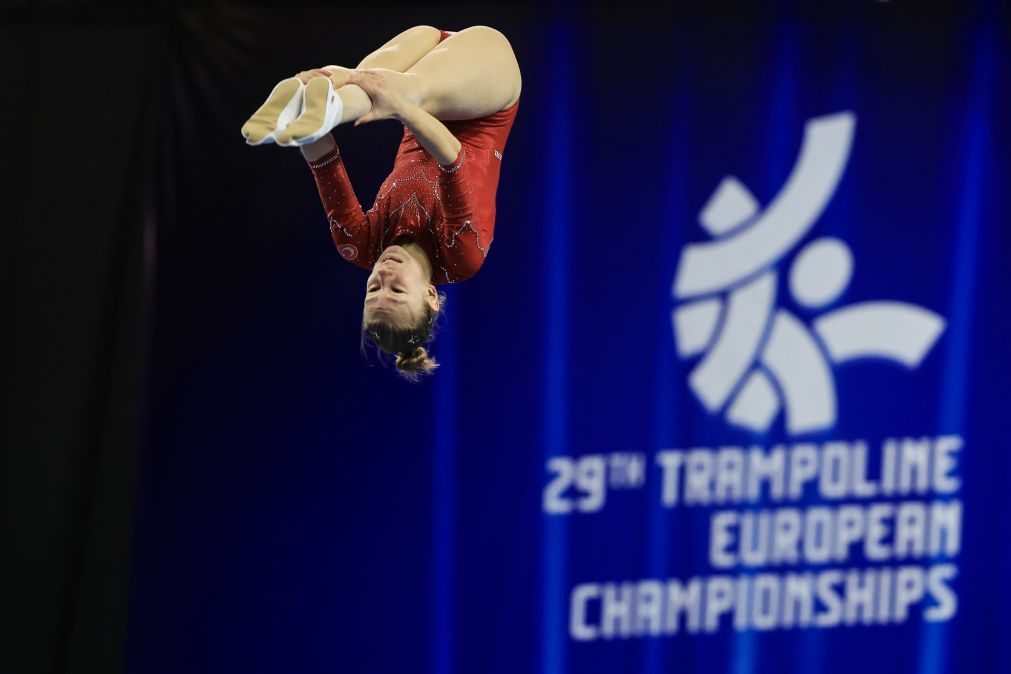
{"type": "Point", "coordinates": [456, 93]}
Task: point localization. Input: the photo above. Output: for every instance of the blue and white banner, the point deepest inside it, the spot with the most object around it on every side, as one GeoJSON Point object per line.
{"type": "Point", "coordinates": [820, 483]}
{"type": "Point", "coordinates": [731, 393]}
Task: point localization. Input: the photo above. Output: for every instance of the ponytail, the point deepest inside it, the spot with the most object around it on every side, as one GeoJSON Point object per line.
{"type": "Point", "coordinates": [413, 364]}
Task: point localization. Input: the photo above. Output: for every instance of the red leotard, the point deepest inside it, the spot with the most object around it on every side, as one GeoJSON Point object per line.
{"type": "Point", "coordinates": [448, 211]}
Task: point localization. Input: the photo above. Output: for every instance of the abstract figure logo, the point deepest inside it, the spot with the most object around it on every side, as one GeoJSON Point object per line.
{"type": "Point", "coordinates": [756, 357]}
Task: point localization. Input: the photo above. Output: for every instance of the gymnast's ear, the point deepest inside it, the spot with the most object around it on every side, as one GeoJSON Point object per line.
{"type": "Point", "coordinates": [433, 297]}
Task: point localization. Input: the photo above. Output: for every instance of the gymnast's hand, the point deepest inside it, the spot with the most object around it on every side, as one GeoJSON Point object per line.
{"type": "Point", "coordinates": [337, 74]}
{"type": "Point", "coordinates": [391, 93]}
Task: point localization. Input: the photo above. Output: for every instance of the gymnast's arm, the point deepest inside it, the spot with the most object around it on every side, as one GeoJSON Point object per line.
{"type": "Point", "coordinates": [315, 151]}
{"type": "Point", "coordinates": [385, 90]}
{"type": "Point", "coordinates": [348, 223]}
{"type": "Point", "coordinates": [432, 134]}
{"type": "Point", "coordinates": [335, 191]}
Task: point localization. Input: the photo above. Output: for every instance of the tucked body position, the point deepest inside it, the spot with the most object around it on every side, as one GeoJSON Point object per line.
{"type": "Point", "coordinates": [433, 220]}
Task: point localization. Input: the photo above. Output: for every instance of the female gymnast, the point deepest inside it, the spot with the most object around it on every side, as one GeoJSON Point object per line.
{"type": "Point", "coordinates": [456, 93]}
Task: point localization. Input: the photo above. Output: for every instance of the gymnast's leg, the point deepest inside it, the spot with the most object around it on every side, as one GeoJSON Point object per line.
{"type": "Point", "coordinates": [398, 54]}
{"type": "Point", "coordinates": [471, 74]}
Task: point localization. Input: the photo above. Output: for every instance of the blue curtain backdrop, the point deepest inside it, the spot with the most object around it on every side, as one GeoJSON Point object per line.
{"type": "Point", "coordinates": [302, 511]}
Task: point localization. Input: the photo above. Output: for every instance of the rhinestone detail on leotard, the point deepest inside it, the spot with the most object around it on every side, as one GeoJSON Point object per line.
{"type": "Point", "coordinates": [326, 162]}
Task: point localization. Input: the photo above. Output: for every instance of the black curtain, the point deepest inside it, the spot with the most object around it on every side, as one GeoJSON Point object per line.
{"type": "Point", "coordinates": [121, 121]}
{"type": "Point", "coordinates": [78, 111]}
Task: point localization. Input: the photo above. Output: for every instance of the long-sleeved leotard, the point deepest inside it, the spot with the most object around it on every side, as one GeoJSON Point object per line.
{"type": "Point", "coordinates": [448, 211]}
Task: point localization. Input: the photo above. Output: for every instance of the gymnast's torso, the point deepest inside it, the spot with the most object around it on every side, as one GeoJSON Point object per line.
{"type": "Point", "coordinates": [447, 210]}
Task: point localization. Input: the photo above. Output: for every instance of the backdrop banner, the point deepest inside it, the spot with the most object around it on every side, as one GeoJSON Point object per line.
{"type": "Point", "coordinates": [729, 394]}
{"type": "Point", "coordinates": [799, 468]}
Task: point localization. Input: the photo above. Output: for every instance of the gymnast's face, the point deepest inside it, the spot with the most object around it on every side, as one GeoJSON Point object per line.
{"type": "Point", "coordinates": [397, 289]}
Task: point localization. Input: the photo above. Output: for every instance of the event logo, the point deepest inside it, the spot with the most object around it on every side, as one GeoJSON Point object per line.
{"type": "Point", "coordinates": [758, 358]}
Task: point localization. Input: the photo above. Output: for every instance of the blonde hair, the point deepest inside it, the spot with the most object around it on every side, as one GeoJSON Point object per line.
{"type": "Point", "coordinates": [412, 365]}
{"type": "Point", "coordinates": [413, 359]}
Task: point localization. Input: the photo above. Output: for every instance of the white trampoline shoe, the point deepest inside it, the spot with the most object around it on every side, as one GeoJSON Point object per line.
{"type": "Point", "coordinates": [321, 111]}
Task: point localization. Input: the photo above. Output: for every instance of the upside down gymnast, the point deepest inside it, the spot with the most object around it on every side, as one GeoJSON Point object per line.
{"type": "Point", "coordinates": [433, 220]}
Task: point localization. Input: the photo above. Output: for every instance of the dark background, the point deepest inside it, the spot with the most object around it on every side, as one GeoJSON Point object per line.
{"type": "Point", "coordinates": [199, 472]}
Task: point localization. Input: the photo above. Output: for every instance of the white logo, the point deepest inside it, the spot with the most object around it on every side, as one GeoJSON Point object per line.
{"type": "Point", "coordinates": [347, 251]}
{"type": "Point", "coordinates": [758, 357]}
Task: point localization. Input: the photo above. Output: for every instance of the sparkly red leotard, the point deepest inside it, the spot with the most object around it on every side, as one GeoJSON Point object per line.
{"type": "Point", "coordinates": [449, 211]}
